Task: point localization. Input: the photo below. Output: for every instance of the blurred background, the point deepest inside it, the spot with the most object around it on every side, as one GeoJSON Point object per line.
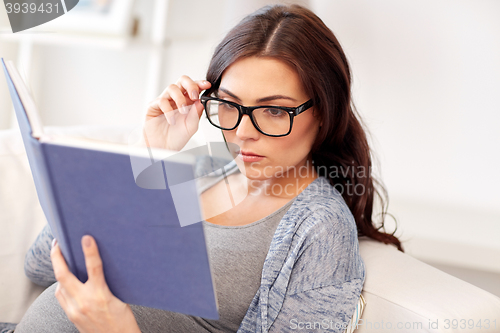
{"type": "Point", "coordinates": [426, 82]}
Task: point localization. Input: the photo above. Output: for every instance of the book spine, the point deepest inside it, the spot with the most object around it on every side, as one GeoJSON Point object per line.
{"type": "Point", "coordinates": [58, 222]}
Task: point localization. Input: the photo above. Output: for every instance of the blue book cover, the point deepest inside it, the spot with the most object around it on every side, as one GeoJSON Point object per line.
{"type": "Point", "coordinates": [149, 258]}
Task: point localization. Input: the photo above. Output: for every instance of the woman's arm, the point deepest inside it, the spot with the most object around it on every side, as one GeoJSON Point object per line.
{"type": "Point", "coordinates": [325, 309]}
{"type": "Point", "coordinates": [326, 279]}
{"type": "Point", "coordinates": [37, 263]}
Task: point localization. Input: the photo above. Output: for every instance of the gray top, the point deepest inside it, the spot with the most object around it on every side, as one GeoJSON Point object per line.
{"type": "Point", "coordinates": [237, 255]}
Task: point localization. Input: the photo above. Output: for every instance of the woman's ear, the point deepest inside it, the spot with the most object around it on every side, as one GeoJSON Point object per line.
{"type": "Point", "coordinates": [318, 115]}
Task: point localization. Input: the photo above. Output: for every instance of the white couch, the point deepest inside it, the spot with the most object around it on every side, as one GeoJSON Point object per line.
{"type": "Point", "coordinates": [402, 294]}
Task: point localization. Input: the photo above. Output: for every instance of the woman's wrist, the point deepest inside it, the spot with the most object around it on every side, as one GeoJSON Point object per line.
{"type": "Point", "coordinates": [129, 323]}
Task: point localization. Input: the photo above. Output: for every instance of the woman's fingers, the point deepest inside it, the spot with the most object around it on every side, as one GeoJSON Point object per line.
{"type": "Point", "coordinates": [93, 261]}
{"type": "Point", "coordinates": [61, 296]}
{"type": "Point", "coordinates": [188, 88]}
{"type": "Point", "coordinates": [166, 104]}
{"type": "Point", "coordinates": [203, 84]}
{"type": "Point", "coordinates": [192, 88]}
{"type": "Point", "coordinates": [180, 96]}
{"type": "Point", "coordinates": [62, 272]}
{"type": "Point", "coordinates": [193, 118]}
{"type": "Point", "coordinates": [90, 306]}
{"type": "Point", "coordinates": [172, 100]}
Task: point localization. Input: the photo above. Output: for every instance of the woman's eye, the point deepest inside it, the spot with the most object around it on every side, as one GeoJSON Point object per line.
{"type": "Point", "coordinates": [226, 106]}
{"type": "Point", "coordinates": [275, 112]}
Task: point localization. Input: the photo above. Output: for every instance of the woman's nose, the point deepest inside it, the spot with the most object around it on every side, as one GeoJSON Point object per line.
{"type": "Point", "coordinates": [245, 129]}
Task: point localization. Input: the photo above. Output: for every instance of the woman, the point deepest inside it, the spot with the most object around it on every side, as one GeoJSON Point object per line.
{"type": "Point", "coordinates": [285, 249]}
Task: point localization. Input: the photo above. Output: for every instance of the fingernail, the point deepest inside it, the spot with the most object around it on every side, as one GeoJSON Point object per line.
{"type": "Point", "coordinates": [206, 82]}
{"type": "Point", "coordinates": [172, 120]}
{"type": "Point", "coordinates": [54, 242]}
{"type": "Point", "coordinates": [86, 241]}
{"type": "Point", "coordinates": [194, 95]}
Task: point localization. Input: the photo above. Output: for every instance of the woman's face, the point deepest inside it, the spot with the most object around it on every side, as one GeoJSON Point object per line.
{"type": "Point", "coordinates": [248, 81]}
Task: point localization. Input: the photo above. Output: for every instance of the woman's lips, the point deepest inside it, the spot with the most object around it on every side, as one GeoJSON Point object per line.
{"type": "Point", "coordinates": [249, 156]}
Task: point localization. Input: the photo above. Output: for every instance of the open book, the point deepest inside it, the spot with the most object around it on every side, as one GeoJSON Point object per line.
{"type": "Point", "coordinates": [140, 204]}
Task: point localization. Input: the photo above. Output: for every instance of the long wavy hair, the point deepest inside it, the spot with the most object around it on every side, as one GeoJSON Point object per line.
{"type": "Point", "coordinates": [295, 35]}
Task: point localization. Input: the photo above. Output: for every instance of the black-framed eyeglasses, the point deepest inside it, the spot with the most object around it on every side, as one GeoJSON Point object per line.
{"type": "Point", "coordinates": [268, 120]}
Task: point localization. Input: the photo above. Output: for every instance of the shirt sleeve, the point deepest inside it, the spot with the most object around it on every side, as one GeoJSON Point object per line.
{"type": "Point", "coordinates": [326, 280]}
{"type": "Point", "coordinates": [37, 263]}
{"type": "Point", "coordinates": [325, 309]}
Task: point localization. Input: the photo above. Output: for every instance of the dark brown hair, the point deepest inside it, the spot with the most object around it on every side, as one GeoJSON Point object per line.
{"type": "Point", "coordinates": [296, 36]}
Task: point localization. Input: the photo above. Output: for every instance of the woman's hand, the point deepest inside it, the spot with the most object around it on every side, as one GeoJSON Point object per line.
{"type": "Point", "coordinates": [90, 306]}
{"type": "Point", "coordinates": [173, 117]}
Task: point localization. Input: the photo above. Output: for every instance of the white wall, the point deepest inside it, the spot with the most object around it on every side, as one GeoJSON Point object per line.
{"type": "Point", "coordinates": [81, 83]}
{"type": "Point", "coordinates": [8, 50]}
{"type": "Point", "coordinates": [426, 78]}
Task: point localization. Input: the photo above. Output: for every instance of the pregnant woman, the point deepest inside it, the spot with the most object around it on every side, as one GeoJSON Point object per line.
{"type": "Point", "coordinates": [285, 248]}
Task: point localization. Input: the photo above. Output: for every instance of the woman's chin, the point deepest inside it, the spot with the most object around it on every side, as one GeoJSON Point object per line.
{"type": "Point", "coordinates": [255, 170]}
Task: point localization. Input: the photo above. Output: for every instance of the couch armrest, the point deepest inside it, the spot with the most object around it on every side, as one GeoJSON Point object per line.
{"type": "Point", "coordinates": [401, 289]}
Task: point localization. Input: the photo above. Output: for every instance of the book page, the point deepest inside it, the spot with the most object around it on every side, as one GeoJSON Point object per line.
{"type": "Point", "coordinates": [155, 154]}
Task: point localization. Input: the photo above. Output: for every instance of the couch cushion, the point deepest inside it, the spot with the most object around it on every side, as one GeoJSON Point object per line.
{"type": "Point", "coordinates": [401, 289]}
{"type": "Point", "coordinates": [21, 219]}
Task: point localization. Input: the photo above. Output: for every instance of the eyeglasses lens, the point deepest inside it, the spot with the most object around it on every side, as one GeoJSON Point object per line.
{"type": "Point", "coordinates": [269, 120]}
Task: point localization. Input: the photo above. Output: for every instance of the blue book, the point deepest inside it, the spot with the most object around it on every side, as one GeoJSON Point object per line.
{"type": "Point", "coordinates": [142, 210]}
